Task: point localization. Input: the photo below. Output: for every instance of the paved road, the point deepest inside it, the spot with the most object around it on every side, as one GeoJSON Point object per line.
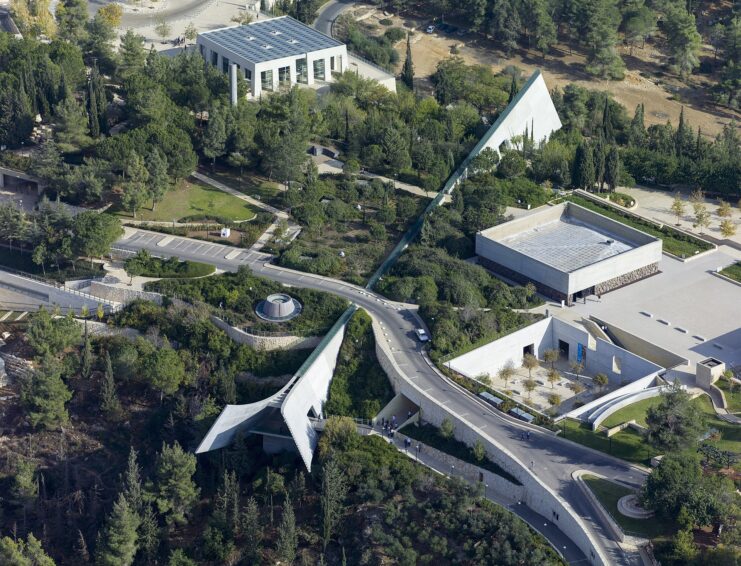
{"type": "Point", "coordinates": [328, 14]}
{"type": "Point", "coordinates": [553, 458]}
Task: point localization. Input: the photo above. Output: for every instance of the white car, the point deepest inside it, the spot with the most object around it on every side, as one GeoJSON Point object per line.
{"type": "Point", "coordinates": [422, 335]}
{"type": "Point", "coordinates": [430, 29]}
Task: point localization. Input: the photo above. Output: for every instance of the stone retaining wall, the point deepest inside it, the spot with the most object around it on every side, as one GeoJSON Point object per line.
{"type": "Point", "coordinates": [626, 279]}
{"type": "Point", "coordinates": [289, 342]}
{"type": "Point", "coordinates": [121, 295]}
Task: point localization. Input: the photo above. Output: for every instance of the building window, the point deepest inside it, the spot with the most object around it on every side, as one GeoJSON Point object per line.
{"type": "Point", "coordinates": [214, 58]}
{"type": "Point", "coordinates": [266, 78]}
{"type": "Point", "coordinates": [319, 69]}
{"type": "Point", "coordinates": [302, 75]}
{"type": "Point", "coordinates": [284, 76]}
{"type": "Point", "coordinates": [200, 48]}
{"type": "Point", "coordinates": [224, 65]}
{"type": "Point", "coordinates": [248, 76]}
{"type": "Point", "coordinates": [331, 63]}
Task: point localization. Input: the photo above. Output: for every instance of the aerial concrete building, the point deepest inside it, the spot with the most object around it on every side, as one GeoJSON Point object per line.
{"type": "Point", "coordinates": [274, 54]}
{"type": "Point", "coordinates": [569, 252]}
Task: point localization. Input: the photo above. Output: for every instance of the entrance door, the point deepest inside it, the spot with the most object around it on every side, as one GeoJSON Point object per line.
{"type": "Point", "coordinates": [530, 349]}
{"type": "Point", "coordinates": [563, 348]}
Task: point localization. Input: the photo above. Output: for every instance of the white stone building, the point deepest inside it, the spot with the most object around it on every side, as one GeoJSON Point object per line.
{"type": "Point", "coordinates": [274, 54]}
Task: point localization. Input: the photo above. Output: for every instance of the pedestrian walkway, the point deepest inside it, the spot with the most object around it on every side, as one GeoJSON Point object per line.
{"type": "Point", "coordinates": [421, 453]}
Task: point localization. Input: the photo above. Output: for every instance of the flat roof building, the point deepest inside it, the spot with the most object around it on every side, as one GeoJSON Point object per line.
{"type": "Point", "coordinates": [275, 53]}
{"type": "Point", "coordinates": [569, 252]}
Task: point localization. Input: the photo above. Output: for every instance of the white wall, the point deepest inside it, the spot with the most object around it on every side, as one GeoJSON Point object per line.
{"type": "Point", "coordinates": [493, 356]}
{"type": "Point", "coordinates": [533, 110]}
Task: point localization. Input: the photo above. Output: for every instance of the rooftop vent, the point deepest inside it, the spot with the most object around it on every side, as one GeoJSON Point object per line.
{"type": "Point", "coordinates": [293, 41]}
{"type": "Point", "coordinates": [275, 32]}
{"type": "Point", "coordinates": [609, 241]}
{"type": "Point", "coordinates": [251, 38]}
{"type": "Point", "coordinates": [266, 46]}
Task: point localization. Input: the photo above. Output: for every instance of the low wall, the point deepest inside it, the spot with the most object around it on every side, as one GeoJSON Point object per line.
{"type": "Point", "coordinates": [96, 328]}
{"type": "Point", "coordinates": [121, 295]}
{"type": "Point", "coordinates": [638, 385]}
{"type": "Point", "coordinates": [536, 494]}
{"type": "Point", "coordinates": [622, 403]}
{"type": "Point", "coordinates": [266, 342]}
{"type": "Point", "coordinates": [607, 519]}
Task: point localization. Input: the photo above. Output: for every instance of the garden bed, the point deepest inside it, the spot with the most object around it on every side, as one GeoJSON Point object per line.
{"type": "Point", "coordinates": [733, 271]}
{"type": "Point", "coordinates": [171, 268]}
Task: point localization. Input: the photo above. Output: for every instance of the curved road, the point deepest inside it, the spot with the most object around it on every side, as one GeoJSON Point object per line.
{"type": "Point", "coordinates": [328, 13]}
{"type": "Point", "coordinates": [553, 458]}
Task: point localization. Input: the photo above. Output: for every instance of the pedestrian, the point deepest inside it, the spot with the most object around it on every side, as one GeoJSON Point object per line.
{"type": "Point", "coordinates": [528, 435]}
{"type": "Point", "coordinates": [532, 463]}
{"type": "Point", "coordinates": [409, 415]}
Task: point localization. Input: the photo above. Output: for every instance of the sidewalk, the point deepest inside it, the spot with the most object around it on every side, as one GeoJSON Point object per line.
{"type": "Point", "coordinates": [559, 541]}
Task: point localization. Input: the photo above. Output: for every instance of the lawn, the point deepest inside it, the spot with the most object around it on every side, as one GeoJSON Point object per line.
{"type": "Point", "coordinates": [193, 200]}
{"type": "Point", "coordinates": [629, 444]}
{"type": "Point", "coordinates": [608, 493]}
{"type": "Point", "coordinates": [733, 271]}
{"type": "Point", "coordinates": [733, 398]}
{"type": "Point", "coordinates": [171, 268]}
{"type": "Point", "coordinates": [250, 184]}
{"type": "Point", "coordinates": [636, 411]}
{"type": "Point", "coordinates": [675, 242]}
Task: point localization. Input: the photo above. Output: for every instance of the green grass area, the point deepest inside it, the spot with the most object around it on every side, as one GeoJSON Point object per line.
{"type": "Point", "coordinates": [250, 184]}
{"type": "Point", "coordinates": [675, 242]}
{"type": "Point", "coordinates": [733, 271]}
{"type": "Point", "coordinates": [608, 493]}
{"type": "Point", "coordinates": [194, 200]}
{"type": "Point", "coordinates": [627, 444]}
{"type": "Point", "coordinates": [733, 398]}
{"type": "Point", "coordinates": [430, 435]}
{"type": "Point", "coordinates": [630, 445]}
{"type": "Point", "coordinates": [22, 261]}
{"type": "Point", "coordinates": [636, 411]}
{"type": "Point", "coordinates": [172, 268]}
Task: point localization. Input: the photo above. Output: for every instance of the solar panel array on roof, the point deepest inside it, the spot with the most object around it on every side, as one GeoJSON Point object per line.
{"type": "Point", "coordinates": [271, 39]}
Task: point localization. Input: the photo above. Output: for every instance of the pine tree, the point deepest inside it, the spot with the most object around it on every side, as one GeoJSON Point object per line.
{"type": "Point", "coordinates": [159, 180]}
{"type": "Point", "coordinates": [226, 508]}
{"type": "Point", "coordinates": [118, 544]}
{"type": "Point", "coordinates": [287, 545]}
{"type": "Point", "coordinates": [44, 396]}
{"type": "Point", "coordinates": [109, 403]}
{"type": "Point", "coordinates": [407, 72]}
{"type": "Point", "coordinates": [131, 487]}
{"type": "Point", "coordinates": [149, 534]}
{"type": "Point", "coordinates": [252, 529]}
{"type": "Point", "coordinates": [334, 490]}
{"type": "Point", "coordinates": [176, 490]}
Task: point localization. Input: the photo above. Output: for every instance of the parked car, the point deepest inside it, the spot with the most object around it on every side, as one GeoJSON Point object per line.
{"type": "Point", "coordinates": [422, 335]}
{"type": "Point", "coordinates": [430, 29]}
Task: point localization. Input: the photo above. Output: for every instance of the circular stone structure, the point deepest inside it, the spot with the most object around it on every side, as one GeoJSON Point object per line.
{"type": "Point", "coordinates": [629, 506]}
{"type": "Point", "coordinates": [278, 307]}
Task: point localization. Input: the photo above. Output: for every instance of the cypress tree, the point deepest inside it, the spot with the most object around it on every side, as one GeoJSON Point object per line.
{"type": "Point", "coordinates": [512, 89]}
{"type": "Point", "coordinates": [407, 72]}
{"type": "Point", "coordinates": [109, 403]}
{"type": "Point", "coordinates": [599, 162]}
{"type": "Point", "coordinates": [583, 175]}
{"type": "Point", "coordinates": [612, 168]}
{"type": "Point", "coordinates": [132, 484]}
{"type": "Point", "coordinates": [637, 135]}
{"type": "Point", "coordinates": [252, 529]}
{"type": "Point", "coordinates": [92, 111]}
{"type": "Point", "coordinates": [607, 131]}
{"type": "Point", "coordinates": [86, 359]}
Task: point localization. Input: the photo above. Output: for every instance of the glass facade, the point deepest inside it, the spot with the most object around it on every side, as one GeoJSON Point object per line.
{"type": "Point", "coordinates": [284, 76]}
{"type": "Point", "coordinates": [224, 64]}
{"type": "Point", "coordinates": [266, 78]}
{"type": "Point", "coordinates": [214, 58]}
{"type": "Point", "coordinates": [302, 75]}
{"type": "Point", "coordinates": [319, 70]}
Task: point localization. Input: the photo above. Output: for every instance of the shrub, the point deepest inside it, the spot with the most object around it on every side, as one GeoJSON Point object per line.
{"type": "Point", "coordinates": [395, 34]}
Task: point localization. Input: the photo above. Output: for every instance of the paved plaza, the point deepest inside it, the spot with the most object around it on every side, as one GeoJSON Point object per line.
{"type": "Point", "coordinates": [693, 304]}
